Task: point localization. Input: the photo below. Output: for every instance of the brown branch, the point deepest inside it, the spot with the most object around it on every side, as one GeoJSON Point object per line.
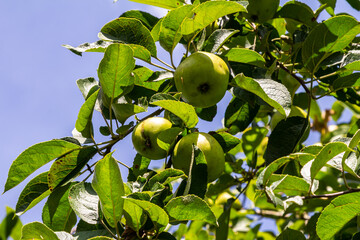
{"type": "Point", "coordinates": [331, 195]}
{"type": "Point", "coordinates": [276, 214]}
{"type": "Point", "coordinates": [301, 81]}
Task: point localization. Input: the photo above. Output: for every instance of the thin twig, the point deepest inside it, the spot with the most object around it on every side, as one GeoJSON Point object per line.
{"type": "Point", "coordinates": [163, 62]}
{"type": "Point", "coordinates": [106, 227]}
{"type": "Point", "coordinates": [301, 81]}
{"type": "Point", "coordinates": [331, 195]}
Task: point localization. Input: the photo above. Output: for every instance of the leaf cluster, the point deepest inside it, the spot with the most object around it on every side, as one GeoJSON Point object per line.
{"type": "Point", "coordinates": [279, 57]}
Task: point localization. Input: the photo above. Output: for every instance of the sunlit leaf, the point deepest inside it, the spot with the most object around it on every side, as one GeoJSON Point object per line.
{"type": "Point", "coordinates": [340, 211]}
{"type": "Point", "coordinates": [115, 70]}
{"type": "Point", "coordinates": [108, 184]}
{"type": "Point", "coordinates": [273, 93]}
{"type": "Point", "coordinates": [35, 157]}
{"type": "Point", "coordinates": [129, 31]}
{"type": "Point", "coordinates": [190, 207]}
{"type": "Point", "coordinates": [328, 37]}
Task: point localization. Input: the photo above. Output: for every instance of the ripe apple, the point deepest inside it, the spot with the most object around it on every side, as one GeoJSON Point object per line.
{"type": "Point", "coordinates": [202, 78]}
{"type": "Point", "coordinates": [295, 112]}
{"type": "Point", "coordinates": [212, 150]}
{"type": "Point", "coordinates": [144, 137]}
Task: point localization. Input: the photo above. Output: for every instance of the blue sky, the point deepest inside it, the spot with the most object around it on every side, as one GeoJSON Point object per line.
{"type": "Point", "coordinates": [39, 97]}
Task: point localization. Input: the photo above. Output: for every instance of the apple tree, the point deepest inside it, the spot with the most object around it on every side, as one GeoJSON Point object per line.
{"type": "Point", "coordinates": [275, 62]}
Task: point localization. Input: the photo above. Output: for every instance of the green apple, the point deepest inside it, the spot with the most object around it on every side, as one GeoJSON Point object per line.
{"type": "Point", "coordinates": [224, 196]}
{"type": "Point", "coordinates": [212, 150]}
{"type": "Point", "coordinates": [202, 78]}
{"type": "Point", "coordinates": [262, 10]}
{"type": "Point", "coordinates": [144, 137]}
{"type": "Point", "coordinates": [295, 112]}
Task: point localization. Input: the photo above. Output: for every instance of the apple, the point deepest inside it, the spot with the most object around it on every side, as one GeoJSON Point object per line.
{"type": "Point", "coordinates": [144, 137]}
{"type": "Point", "coordinates": [224, 196]}
{"type": "Point", "coordinates": [295, 112]}
{"type": "Point", "coordinates": [212, 150]}
{"type": "Point", "coordinates": [262, 10]}
{"type": "Point", "coordinates": [202, 78]}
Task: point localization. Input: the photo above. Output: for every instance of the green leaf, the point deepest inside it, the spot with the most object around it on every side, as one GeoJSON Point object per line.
{"type": "Point", "coordinates": [224, 220]}
{"type": "Point", "coordinates": [166, 138]}
{"type": "Point", "coordinates": [273, 93]}
{"type": "Point", "coordinates": [101, 238]}
{"type": "Point", "coordinates": [166, 236]}
{"type": "Point", "coordinates": [244, 55]}
{"type": "Point", "coordinates": [352, 80]}
{"type": "Point", "coordinates": [108, 184]}
{"type": "Point", "coordinates": [289, 185]}
{"type": "Point", "coordinates": [129, 31]}
{"type": "Point", "coordinates": [217, 39]}
{"type": "Point", "coordinates": [65, 236]}
{"type": "Point", "coordinates": [35, 157]}
{"type": "Point", "coordinates": [87, 86]}
{"type": "Point", "coordinates": [339, 212]}
{"type": "Point", "coordinates": [157, 215]}
{"type": "Point", "coordinates": [284, 138]}
{"type": "Point", "coordinates": [140, 166]}
{"type": "Point", "coordinates": [277, 164]}
{"type": "Point", "coordinates": [289, 233]}
{"type": "Point", "coordinates": [140, 52]}
{"type": "Point", "coordinates": [115, 70]}
{"type": "Point", "coordinates": [57, 213]}
{"type": "Point", "coordinates": [125, 110]}
{"type": "Point", "coordinates": [226, 140]}
{"type": "Point", "coordinates": [67, 167]}
{"type": "Point", "coordinates": [170, 30]}
{"type": "Point", "coordinates": [197, 181]}
{"type": "Point", "coordinates": [224, 182]}
{"type": "Point", "coordinates": [87, 235]}
{"type": "Point", "coordinates": [168, 4]}
{"type": "Point", "coordinates": [355, 4]}
{"type": "Point", "coordinates": [184, 111]}
{"type": "Point", "coordinates": [239, 114]}
{"type": "Point", "coordinates": [330, 6]}
{"type": "Point", "coordinates": [98, 46]}
{"type": "Point", "coordinates": [164, 177]}
{"type": "Point", "coordinates": [328, 37]}
{"type": "Point", "coordinates": [298, 11]}
{"type": "Point", "coordinates": [147, 19]}
{"type": "Point", "coordinates": [155, 32]}
{"type": "Point", "coordinates": [134, 215]}
{"type": "Point", "coordinates": [328, 152]}
{"type": "Point", "coordinates": [206, 114]}
{"type": "Point", "coordinates": [84, 201]}
{"type": "Point", "coordinates": [35, 191]}
{"type": "Point", "coordinates": [251, 140]}
{"type": "Point", "coordinates": [208, 12]}
{"type": "Point", "coordinates": [36, 230]}
{"type": "Point", "coordinates": [189, 207]}
{"type": "Point", "coordinates": [10, 225]}
{"type": "Point", "coordinates": [350, 162]}
{"type": "Point", "coordinates": [85, 114]}
{"type": "Point", "coordinates": [151, 80]}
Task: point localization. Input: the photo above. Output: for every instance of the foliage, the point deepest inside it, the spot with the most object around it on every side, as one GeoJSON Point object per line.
{"type": "Point", "coordinates": [279, 57]}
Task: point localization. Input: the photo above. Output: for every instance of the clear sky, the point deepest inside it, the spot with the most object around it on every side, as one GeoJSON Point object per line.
{"type": "Point", "coordinates": [38, 95]}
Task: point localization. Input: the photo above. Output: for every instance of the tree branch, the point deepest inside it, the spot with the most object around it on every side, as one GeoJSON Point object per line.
{"type": "Point", "coordinates": [331, 195]}
{"type": "Point", "coordinates": [302, 82]}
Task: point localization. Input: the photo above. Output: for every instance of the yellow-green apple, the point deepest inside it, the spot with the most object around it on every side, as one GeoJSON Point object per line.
{"type": "Point", "coordinates": [211, 148]}
{"type": "Point", "coordinates": [202, 78]}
